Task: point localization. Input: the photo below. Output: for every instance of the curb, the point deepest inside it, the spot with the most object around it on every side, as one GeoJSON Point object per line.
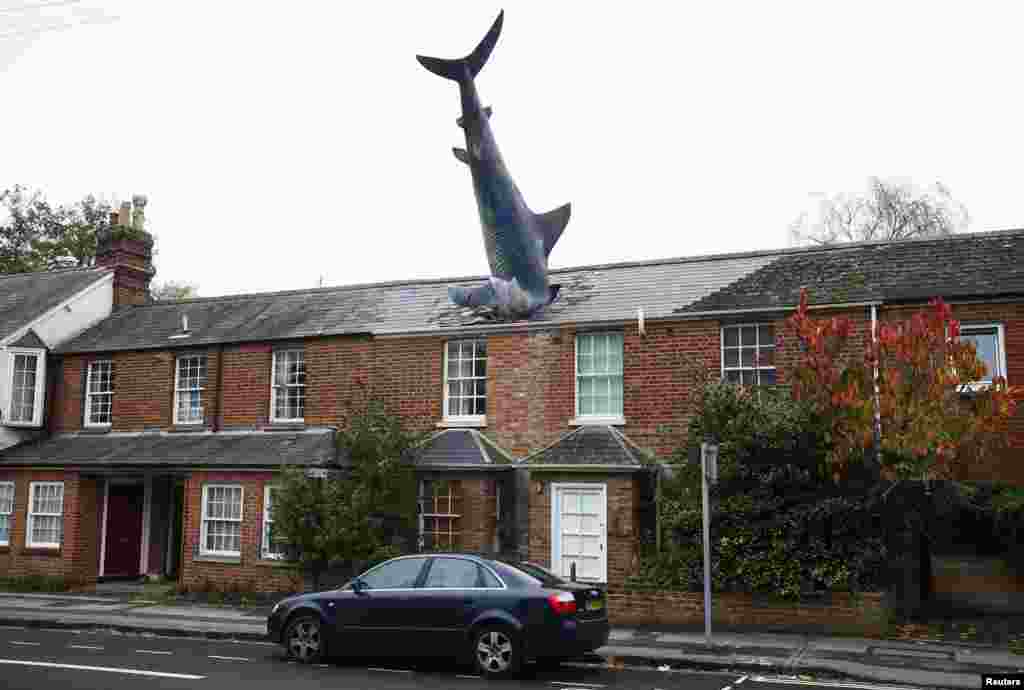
{"type": "Point", "coordinates": [43, 624]}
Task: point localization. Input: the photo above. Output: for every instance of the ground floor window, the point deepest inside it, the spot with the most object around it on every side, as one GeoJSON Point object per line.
{"type": "Point", "coordinates": [6, 509]}
{"type": "Point", "coordinates": [440, 515]}
{"type": "Point", "coordinates": [272, 547]}
{"type": "Point", "coordinates": [222, 520]}
{"type": "Point", "coordinates": [45, 515]}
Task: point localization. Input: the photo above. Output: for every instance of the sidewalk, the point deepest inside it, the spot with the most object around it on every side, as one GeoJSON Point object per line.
{"type": "Point", "coordinates": [918, 664]}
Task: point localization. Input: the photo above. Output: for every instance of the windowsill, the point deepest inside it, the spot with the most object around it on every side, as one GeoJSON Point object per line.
{"type": "Point", "coordinates": [463, 423]}
{"type": "Point", "coordinates": [96, 429]}
{"type": "Point", "coordinates": [185, 428]}
{"type": "Point", "coordinates": [23, 425]}
{"type": "Point", "coordinates": [276, 563]}
{"type": "Point", "coordinates": [52, 551]}
{"type": "Point", "coordinates": [217, 558]}
{"type": "Point", "coordinates": [597, 421]}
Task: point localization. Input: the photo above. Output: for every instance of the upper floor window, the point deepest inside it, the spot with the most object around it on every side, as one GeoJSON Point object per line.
{"type": "Point", "coordinates": [288, 400]}
{"type": "Point", "coordinates": [189, 388]}
{"type": "Point", "coordinates": [6, 510]}
{"type": "Point", "coordinates": [27, 373]}
{"type": "Point", "coordinates": [99, 393]}
{"type": "Point", "coordinates": [989, 342]}
{"type": "Point", "coordinates": [465, 389]}
{"type": "Point", "coordinates": [748, 354]}
{"type": "Point", "coordinates": [45, 527]}
{"type": "Point", "coordinates": [599, 375]}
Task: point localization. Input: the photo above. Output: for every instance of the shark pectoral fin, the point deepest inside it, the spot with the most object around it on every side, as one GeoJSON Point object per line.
{"type": "Point", "coordinates": [482, 296]}
{"type": "Point", "coordinates": [461, 154]}
{"type": "Point", "coordinates": [460, 121]}
{"type": "Point", "coordinates": [551, 225]}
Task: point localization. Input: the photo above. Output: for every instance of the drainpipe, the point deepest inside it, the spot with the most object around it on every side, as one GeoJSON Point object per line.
{"type": "Point", "coordinates": [218, 401]}
{"type": "Point", "coordinates": [874, 373]}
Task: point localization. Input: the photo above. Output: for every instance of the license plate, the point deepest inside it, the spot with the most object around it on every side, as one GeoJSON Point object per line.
{"type": "Point", "coordinates": [595, 605]}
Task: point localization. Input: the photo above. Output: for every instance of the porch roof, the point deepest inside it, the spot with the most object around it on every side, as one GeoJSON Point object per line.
{"type": "Point", "coordinates": [238, 449]}
{"type": "Point", "coordinates": [461, 449]}
{"type": "Point", "coordinates": [601, 448]}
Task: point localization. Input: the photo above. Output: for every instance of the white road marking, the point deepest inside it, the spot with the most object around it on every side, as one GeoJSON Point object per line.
{"type": "Point", "coordinates": [727, 687]}
{"type": "Point", "coordinates": [828, 684]}
{"type": "Point", "coordinates": [25, 644]}
{"type": "Point", "coordinates": [471, 677]}
{"type": "Point", "coordinates": [84, 646]}
{"type": "Point", "coordinates": [740, 680]}
{"type": "Point", "coordinates": [152, 651]}
{"type": "Point", "coordinates": [229, 658]}
{"type": "Point", "coordinates": [106, 669]}
{"type": "Point", "coordinates": [389, 670]}
{"type": "Point", "coordinates": [575, 685]}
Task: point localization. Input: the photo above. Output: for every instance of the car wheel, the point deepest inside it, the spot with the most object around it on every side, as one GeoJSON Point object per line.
{"type": "Point", "coordinates": [304, 640]}
{"type": "Point", "coordinates": [496, 651]}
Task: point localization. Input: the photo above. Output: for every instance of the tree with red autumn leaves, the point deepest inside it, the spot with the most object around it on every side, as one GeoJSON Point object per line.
{"type": "Point", "coordinates": [911, 385]}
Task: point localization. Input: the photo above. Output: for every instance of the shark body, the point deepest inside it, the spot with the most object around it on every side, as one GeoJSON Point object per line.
{"type": "Point", "coordinates": [517, 240]}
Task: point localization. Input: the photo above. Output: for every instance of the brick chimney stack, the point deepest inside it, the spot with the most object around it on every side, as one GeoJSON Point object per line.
{"type": "Point", "coordinates": [128, 249]}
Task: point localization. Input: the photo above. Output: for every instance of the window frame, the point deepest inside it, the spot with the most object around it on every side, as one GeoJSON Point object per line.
{"type": "Point", "coordinates": [9, 514]}
{"type": "Point", "coordinates": [480, 419]}
{"type": "Point", "coordinates": [90, 395]}
{"type": "Point", "coordinates": [599, 419]}
{"type": "Point", "coordinates": [178, 390]}
{"type": "Point", "coordinates": [204, 518]}
{"type": "Point", "coordinates": [37, 402]}
{"type": "Point", "coordinates": [31, 515]}
{"type": "Point", "coordinates": [274, 416]}
{"type": "Point", "coordinates": [419, 576]}
{"type": "Point", "coordinates": [756, 368]}
{"type": "Point", "coordinates": [454, 496]}
{"type": "Point", "coordinates": [266, 521]}
{"type": "Point", "coordinates": [1000, 354]}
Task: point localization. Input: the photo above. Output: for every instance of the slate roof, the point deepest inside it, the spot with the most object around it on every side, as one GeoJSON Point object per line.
{"type": "Point", "coordinates": [26, 296]}
{"type": "Point", "coordinates": [461, 449]}
{"type": "Point", "coordinates": [971, 264]}
{"type": "Point", "coordinates": [590, 446]}
{"type": "Point", "coordinates": [961, 266]}
{"type": "Point", "coordinates": [590, 294]}
{"type": "Point", "coordinates": [182, 449]}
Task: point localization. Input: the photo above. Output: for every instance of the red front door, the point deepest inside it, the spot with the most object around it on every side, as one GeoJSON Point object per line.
{"type": "Point", "coordinates": [124, 530]}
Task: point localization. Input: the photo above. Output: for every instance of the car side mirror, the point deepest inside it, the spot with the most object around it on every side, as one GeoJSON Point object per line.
{"type": "Point", "coordinates": [358, 586]}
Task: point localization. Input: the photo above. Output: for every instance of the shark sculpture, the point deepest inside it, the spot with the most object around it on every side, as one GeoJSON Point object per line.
{"type": "Point", "coordinates": [517, 240]}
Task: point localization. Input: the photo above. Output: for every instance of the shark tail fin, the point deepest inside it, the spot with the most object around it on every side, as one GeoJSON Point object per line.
{"type": "Point", "coordinates": [469, 66]}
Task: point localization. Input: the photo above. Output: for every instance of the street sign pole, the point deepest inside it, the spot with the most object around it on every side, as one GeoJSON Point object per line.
{"type": "Point", "coordinates": [709, 472]}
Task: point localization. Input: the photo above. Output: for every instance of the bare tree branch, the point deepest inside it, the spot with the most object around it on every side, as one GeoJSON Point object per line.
{"type": "Point", "coordinates": [888, 210]}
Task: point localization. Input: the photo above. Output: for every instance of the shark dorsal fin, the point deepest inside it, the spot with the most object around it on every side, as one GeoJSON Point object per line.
{"type": "Point", "coordinates": [461, 154]}
{"type": "Point", "coordinates": [487, 113]}
{"type": "Point", "coordinates": [551, 225]}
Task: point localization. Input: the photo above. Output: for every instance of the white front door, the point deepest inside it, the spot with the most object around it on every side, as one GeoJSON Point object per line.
{"type": "Point", "coordinates": [579, 531]}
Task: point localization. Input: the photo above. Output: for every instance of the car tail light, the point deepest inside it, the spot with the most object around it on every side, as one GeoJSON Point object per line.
{"type": "Point", "coordinates": [563, 603]}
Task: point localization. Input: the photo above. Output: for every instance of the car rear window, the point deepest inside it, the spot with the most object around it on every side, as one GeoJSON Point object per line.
{"type": "Point", "coordinates": [532, 573]}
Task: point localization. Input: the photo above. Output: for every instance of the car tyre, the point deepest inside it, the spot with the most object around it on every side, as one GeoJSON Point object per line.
{"type": "Point", "coordinates": [496, 651]}
{"type": "Point", "coordinates": [304, 639]}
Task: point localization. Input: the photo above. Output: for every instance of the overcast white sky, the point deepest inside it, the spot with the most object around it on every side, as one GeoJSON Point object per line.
{"type": "Point", "coordinates": [279, 142]}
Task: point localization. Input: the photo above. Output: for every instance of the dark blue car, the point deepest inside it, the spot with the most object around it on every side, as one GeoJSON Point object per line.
{"type": "Point", "coordinates": [498, 613]}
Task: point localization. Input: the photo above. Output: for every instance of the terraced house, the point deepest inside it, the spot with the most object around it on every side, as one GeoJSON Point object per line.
{"type": "Point", "coordinates": [165, 423]}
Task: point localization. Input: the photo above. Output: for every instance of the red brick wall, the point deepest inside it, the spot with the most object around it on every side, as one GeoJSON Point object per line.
{"type": "Point", "coordinates": [249, 572]}
{"type": "Point", "coordinates": [865, 615]}
{"type": "Point", "coordinates": [246, 382]}
{"type": "Point", "coordinates": [622, 515]}
{"type": "Point", "coordinates": [77, 560]}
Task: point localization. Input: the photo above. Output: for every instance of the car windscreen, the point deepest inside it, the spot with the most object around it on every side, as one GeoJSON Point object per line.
{"type": "Point", "coordinates": [533, 572]}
